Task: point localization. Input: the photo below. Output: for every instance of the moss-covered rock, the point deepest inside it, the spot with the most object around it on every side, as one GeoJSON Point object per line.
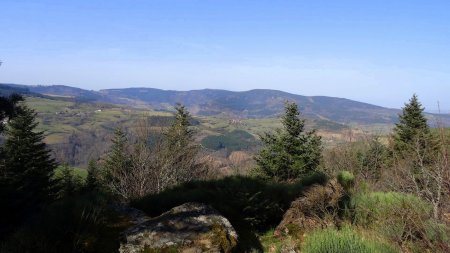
{"type": "Point", "coordinates": [191, 227]}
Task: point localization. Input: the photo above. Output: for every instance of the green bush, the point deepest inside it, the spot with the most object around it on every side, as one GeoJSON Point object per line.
{"type": "Point", "coordinates": [343, 241]}
{"type": "Point", "coordinates": [346, 179]}
{"type": "Point", "coordinates": [403, 218]}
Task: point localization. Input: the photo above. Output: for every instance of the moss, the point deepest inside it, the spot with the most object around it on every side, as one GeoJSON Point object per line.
{"type": "Point", "coordinates": [220, 237]}
{"type": "Point", "coordinates": [169, 249]}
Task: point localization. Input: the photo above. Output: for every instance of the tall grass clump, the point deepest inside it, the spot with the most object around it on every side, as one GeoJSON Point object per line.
{"type": "Point", "coordinates": [345, 240]}
{"type": "Point", "coordinates": [346, 179]}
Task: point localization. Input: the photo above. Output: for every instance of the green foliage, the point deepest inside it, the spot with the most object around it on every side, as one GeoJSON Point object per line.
{"type": "Point", "coordinates": [117, 163]}
{"type": "Point", "coordinates": [179, 134]}
{"type": "Point", "coordinates": [26, 178]}
{"type": "Point", "coordinates": [179, 150]}
{"type": "Point", "coordinates": [346, 240]}
{"type": "Point", "coordinates": [250, 204]}
{"type": "Point", "coordinates": [346, 179]}
{"type": "Point", "coordinates": [118, 159]}
{"type": "Point", "coordinates": [372, 159]}
{"type": "Point", "coordinates": [93, 176]}
{"type": "Point", "coordinates": [8, 108]}
{"type": "Point", "coordinates": [412, 125]}
{"type": "Point", "coordinates": [68, 182]}
{"type": "Point", "coordinates": [403, 218]}
{"type": "Point", "coordinates": [232, 141]}
{"type": "Point", "coordinates": [290, 152]}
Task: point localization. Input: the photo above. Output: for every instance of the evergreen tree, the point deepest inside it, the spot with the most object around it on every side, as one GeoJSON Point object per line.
{"type": "Point", "coordinates": [180, 152]}
{"type": "Point", "coordinates": [290, 152]}
{"type": "Point", "coordinates": [118, 158]}
{"type": "Point", "coordinates": [27, 167]}
{"type": "Point", "coordinates": [69, 183]}
{"type": "Point", "coordinates": [179, 134]}
{"type": "Point", "coordinates": [93, 175]}
{"type": "Point", "coordinates": [412, 125]}
{"type": "Point", "coordinates": [117, 163]}
{"type": "Point", "coordinates": [8, 108]}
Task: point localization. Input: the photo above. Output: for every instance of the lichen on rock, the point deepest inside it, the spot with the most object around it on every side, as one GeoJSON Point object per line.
{"type": "Point", "coordinates": [191, 227]}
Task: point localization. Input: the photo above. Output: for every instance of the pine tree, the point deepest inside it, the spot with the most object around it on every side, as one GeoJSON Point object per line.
{"type": "Point", "coordinates": [117, 163]}
{"type": "Point", "coordinates": [179, 134]}
{"type": "Point", "coordinates": [290, 152]}
{"type": "Point", "coordinates": [180, 152]}
{"type": "Point", "coordinates": [8, 108]}
{"type": "Point", "coordinates": [93, 176]}
{"type": "Point", "coordinates": [26, 177]}
{"type": "Point", "coordinates": [118, 158]}
{"type": "Point", "coordinates": [69, 183]}
{"type": "Point", "coordinates": [412, 125]}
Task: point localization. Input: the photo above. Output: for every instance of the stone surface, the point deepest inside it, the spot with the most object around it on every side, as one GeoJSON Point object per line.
{"type": "Point", "coordinates": [191, 227]}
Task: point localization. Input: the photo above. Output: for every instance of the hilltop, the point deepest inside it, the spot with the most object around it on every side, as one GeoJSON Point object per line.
{"type": "Point", "coordinates": [257, 104]}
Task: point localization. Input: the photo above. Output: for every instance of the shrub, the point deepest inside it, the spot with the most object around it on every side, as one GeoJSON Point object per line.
{"type": "Point", "coordinates": [343, 241]}
{"type": "Point", "coordinates": [346, 179]}
{"type": "Point", "coordinates": [403, 218]}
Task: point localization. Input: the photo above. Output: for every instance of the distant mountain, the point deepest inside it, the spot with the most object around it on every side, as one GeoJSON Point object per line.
{"type": "Point", "coordinates": [247, 104]}
{"type": "Point", "coordinates": [258, 104]}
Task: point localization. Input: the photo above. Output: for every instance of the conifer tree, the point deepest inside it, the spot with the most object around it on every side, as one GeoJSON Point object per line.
{"type": "Point", "coordinates": [290, 152]}
{"type": "Point", "coordinates": [69, 183]}
{"type": "Point", "coordinates": [93, 175]}
{"type": "Point", "coordinates": [27, 167]}
{"type": "Point", "coordinates": [8, 108]}
{"type": "Point", "coordinates": [179, 134]}
{"type": "Point", "coordinates": [118, 158]}
{"type": "Point", "coordinates": [412, 125]}
{"type": "Point", "coordinates": [118, 162]}
{"type": "Point", "coordinates": [180, 150]}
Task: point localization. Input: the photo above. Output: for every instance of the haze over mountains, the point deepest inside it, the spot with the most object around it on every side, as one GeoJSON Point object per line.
{"type": "Point", "coordinates": [208, 102]}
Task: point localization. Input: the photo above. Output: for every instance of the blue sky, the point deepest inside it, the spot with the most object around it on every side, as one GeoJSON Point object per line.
{"type": "Point", "coordinates": [374, 51]}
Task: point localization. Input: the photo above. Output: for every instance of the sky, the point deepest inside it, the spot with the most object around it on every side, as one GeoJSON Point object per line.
{"type": "Point", "coordinates": [380, 52]}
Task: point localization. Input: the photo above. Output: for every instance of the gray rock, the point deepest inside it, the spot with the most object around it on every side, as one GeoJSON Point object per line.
{"type": "Point", "coordinates": [191, 227]}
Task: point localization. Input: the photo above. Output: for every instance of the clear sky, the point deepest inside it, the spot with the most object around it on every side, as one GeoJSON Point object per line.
{"type": "Point", "coordinates": [379, 51]}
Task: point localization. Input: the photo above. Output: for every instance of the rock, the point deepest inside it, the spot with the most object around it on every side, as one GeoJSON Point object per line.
{"type": "Point", "coordinates": [189, 228]}
{"type": "Point", "coordinates": [318, 208]}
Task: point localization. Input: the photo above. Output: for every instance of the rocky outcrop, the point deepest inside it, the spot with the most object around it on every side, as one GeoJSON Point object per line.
{"type": "Point", "coordinates": [191, 227]}
{"type": "Point", "coordinates": [318, 208]}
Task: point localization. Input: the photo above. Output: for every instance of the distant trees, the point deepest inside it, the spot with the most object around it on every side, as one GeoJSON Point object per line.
{"type": "Point", "coordinates": [290, 152]}
{"type": "Point", "coordinates": [149, 165]}
{"type": "Point", "coordinates": [26, 176]}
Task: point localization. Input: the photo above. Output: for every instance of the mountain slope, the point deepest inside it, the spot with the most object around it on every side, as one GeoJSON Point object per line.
{"type": "Point", "coordinates": [246, 104]}
{"type": "Point", "coordinates": [258, 104]}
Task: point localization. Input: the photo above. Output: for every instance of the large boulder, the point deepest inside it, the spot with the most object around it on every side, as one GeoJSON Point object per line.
{"type": "Point", "coordinates": [318, 208]}
{"type": "Point", "coordinates": [191, 227]}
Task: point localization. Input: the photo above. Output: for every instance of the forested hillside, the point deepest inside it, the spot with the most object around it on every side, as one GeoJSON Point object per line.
{"type": "Point", "coordinates": [246, 104]}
